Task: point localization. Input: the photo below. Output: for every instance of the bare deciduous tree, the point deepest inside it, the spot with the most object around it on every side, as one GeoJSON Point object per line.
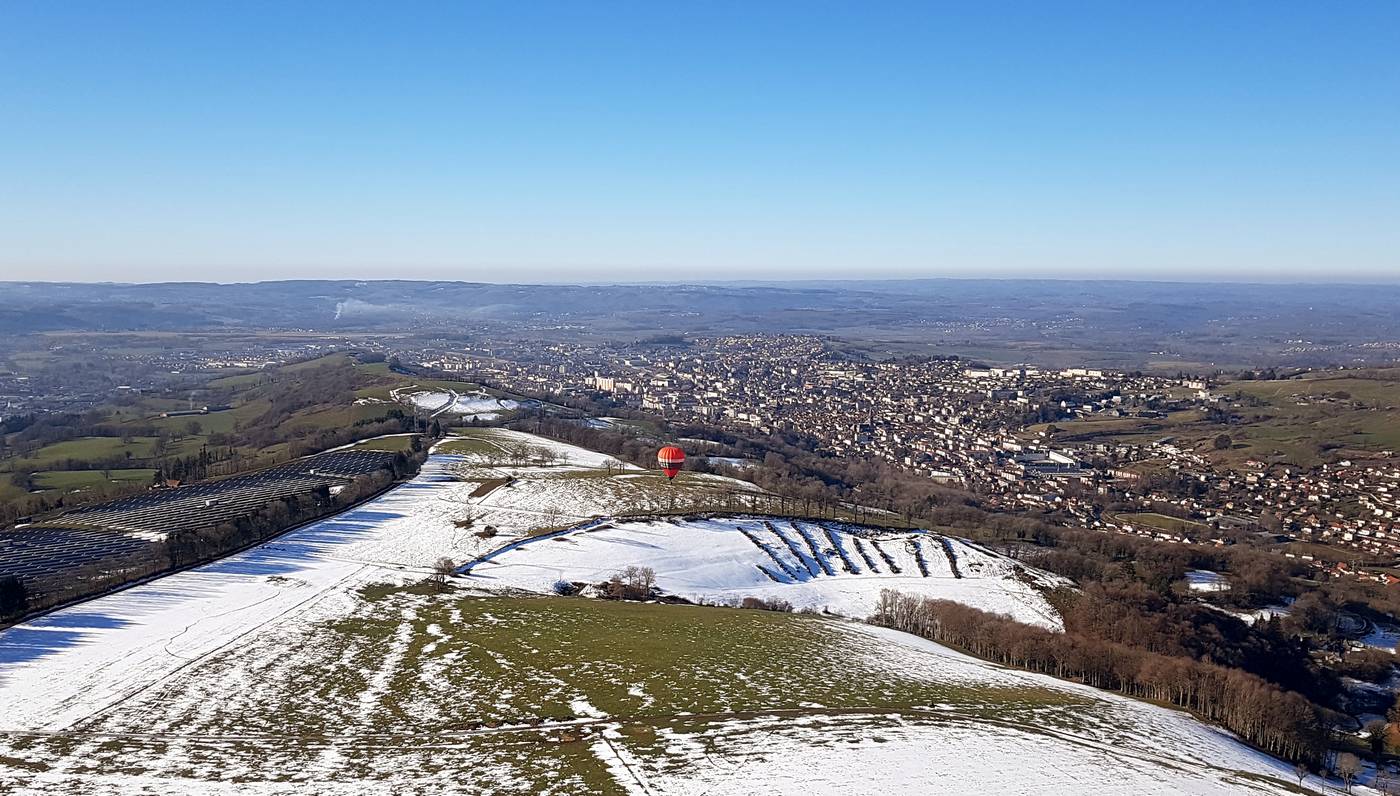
{"type": "Point", "coordinates": [631, 583]}
{"type": "Point", "coordinates": [1348, 767]}
{"type": "Point", "coordinates": [1375, 736]}
{"type": "Point", "coordinates": [442, 570]}
{"type": "Point", "coordinates": [516, 453]}
{"type": "Point", "coordinates": [641, 579]}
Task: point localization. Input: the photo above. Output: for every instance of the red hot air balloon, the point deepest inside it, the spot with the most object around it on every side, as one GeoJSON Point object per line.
{"type": "Point", "coordinates": [670, 458]}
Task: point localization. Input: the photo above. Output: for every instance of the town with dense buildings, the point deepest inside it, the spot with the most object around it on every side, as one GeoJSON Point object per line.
{"type": "Point", "coordinates": [1022, 438]}
{"type": "Point", "coordinates": [986, 429]}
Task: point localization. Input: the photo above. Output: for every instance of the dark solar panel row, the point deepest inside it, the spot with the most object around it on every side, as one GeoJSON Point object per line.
{"type": "Point", "coordinates": [116, 529]}
{"type": "Point", "coordinates": [196, 509]}
{"type": "Point", "coordinates": [35, 553]}
{"type": "Point", "coordinates": [212, 502]}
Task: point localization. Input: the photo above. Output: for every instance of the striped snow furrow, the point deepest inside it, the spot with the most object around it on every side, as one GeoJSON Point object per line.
{"type": "Point", "coordinates": [865, 555]}
{"type": "Point", "coordinates": [772, 554]}
{"type": "Point", "coordinates": [835, 540]}
{"type": "Point", "coordinates": [917, 552]}
{"type": "Point", "coordinates": [951, 556]}
{"type": "Point", "coordinates": [818, 554]}
{"type": "Point", "coordinates": [794, 547]}
{"type": "Point", "coordinates": [890, 563]}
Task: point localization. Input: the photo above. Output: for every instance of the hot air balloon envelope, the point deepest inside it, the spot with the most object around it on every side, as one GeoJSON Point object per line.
{"type": "Point", "coordinates": [670, 458]}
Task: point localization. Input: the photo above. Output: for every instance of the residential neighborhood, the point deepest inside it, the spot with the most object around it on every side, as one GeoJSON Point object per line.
{"type": "Point", "coordinates": [991, 430]}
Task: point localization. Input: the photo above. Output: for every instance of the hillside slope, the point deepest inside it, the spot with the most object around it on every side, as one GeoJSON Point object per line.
{"type": "Point", "coordinates": [314, 665]}
{"type": "Point", "coordinates": [826, 566]}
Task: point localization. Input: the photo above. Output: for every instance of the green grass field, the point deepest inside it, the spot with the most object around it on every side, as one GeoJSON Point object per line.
{"type": "Point", "coordinates": [81, 479]}
{"type": "Point", "coordinates": [1161, 522]}
{"type": "Point", "coordinates": [1376, 385]}
{"type": "Point", "coordinates": [394, 444]}
{"type": "Point", "coordinates": [388, 380]}
{"type": "Point", "coordinates": [1296, 431]}
{"type": "Point", "coordinates": [467, 441]}
{"type": "Point", "coordinates": [147, 413]}
{"type": "Point", "coordinates": [605, 651]}
{"type": "Point", "coordinates": [331, 417]}
{"type": "Point", "coordinates": [220, 422]}
{"type": "Point", "coordinates": [95, 448]}
{"type": "Point", "coordinates": [244, 380]}
{"type": "Point", "coordinates": [1280, 430]}
{"type": "Point", "coordinates": [509, 692]}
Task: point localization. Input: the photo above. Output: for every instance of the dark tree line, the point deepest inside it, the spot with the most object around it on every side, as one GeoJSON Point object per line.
{"type": "Point", "coordinates": [1131, 592]}
{"type": "Point", "coordinates": [15, 423]}
{"type": "Point", "coordinates": [1280, 722]}
{"type": "Point", "coordinates": [1257, 577]}
{"type": "Point", "coordinates": [14, 596]}
{"type": "Point", "coordinates": [193, 467]}
{"type": "Point", "coordinates": [190, 546]}
{"type": "Point", "coordinates": [1132, 615]}
{"type": "Point", "coordinates": [36, 431]}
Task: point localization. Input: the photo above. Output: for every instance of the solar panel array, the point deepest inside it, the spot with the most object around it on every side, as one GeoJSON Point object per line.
{"type": "Point", "coordinates": [106, 534]}
{"type": "Point", "coordinates": [37, 553]}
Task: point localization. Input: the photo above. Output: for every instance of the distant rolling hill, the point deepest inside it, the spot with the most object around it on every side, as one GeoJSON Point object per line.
{"type": "Point", "coordinates": [1050, 322]}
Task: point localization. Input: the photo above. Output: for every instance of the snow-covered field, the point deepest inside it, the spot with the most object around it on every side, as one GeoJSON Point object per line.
{"type": "Point", "coordinates": [1116, 745]}
{"type": "Point", "coordinates": [823, 566]}
{"type": "Point", "coordinates": [307, 666]}
{"type": "Point", "coordinates": [1206, 580]}
{"type": "Point", "coordinates": [1261, 614]}
{"type": "Point", "coordinates": [477, 405]}
{"type": "Point", "coordinates": [603, 422]}
{"type": "Point", "coordinates": [1381, 636]}
{"type": "Point", "coordinates": [67, 665]}
{"type": "Point", "coordinates": [733, 461]}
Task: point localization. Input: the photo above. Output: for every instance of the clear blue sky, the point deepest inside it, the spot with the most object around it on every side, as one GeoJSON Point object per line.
{"type": "Point", "coordinates": [600, 141]}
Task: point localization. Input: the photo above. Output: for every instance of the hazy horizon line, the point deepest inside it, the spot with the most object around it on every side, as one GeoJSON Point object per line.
{"type": "Point", "coordinates": [1340, 282]}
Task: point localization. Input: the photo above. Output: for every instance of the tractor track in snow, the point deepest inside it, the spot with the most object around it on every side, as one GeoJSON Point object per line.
{"type": "Point", "coordinates": [163, 681]}
{"type": "Point", "coordinates": [447, 739]}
